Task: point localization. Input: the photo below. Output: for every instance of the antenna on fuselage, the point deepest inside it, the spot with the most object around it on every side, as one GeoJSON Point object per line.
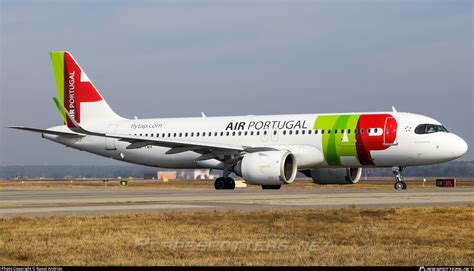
{"type": "Point", "coordinates": [394, 110]}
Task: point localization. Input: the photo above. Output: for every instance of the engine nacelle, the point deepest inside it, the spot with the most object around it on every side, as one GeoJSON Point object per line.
{"type": "Point", "coordinates": [336, 175]}
{"type": "Point", "coordinates": [267, 168]}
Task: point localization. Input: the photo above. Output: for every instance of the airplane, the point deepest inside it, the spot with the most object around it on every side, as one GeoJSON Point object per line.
{"type": "Point", "coordinates": [265, 150]}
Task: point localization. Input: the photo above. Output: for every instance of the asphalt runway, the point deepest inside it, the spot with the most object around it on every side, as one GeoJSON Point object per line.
{"type": "Point", "coordinates": [86, 201]}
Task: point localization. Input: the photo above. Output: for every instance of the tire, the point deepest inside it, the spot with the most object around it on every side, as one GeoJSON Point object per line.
{"type": "Point", "coordinates": [404, 185]}
{"type": "Point", "coordinates": [271, 187]}
{"type": "Point", "coordinates": [220, 183]}
{"type": "Point", "coordinates": [399, 185]}
{"type": "Point", "coordinates": [230, 183]}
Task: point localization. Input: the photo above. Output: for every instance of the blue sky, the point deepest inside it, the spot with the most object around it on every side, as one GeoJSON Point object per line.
{"type": "Point", "coordinates": [163, 59]}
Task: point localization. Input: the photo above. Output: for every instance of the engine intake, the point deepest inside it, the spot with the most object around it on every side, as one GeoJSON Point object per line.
{"type": "Point", "coordinates": [336, 175]}
{"type": "Point", "coordinates": [267, 168]}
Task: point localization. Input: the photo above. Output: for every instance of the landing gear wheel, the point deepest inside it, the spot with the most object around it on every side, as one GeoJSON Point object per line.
{"type": "Point", "coordinates": [271, 187]}
{"type": "Point", "coordinates": [229, 183]}
{"type": "Point", "coordinates": [224, 183]}
{"type": "Point", "coordinates": [220, 183]}
{"type": "Point", "coordinates": [400, 185]}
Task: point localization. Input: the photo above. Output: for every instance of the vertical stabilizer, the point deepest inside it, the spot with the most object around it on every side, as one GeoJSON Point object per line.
{"type": "Point", "coordinates": [77, 94]}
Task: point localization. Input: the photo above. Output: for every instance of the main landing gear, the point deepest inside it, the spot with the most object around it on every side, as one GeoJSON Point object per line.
{"type": "Point", "coordinates": [224, 183]}
{"type": "Point", "coordinates": [399, 184]}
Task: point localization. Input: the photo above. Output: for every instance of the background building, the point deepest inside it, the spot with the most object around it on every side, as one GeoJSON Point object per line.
{"type": "Point", "coordinates": [167, 175]}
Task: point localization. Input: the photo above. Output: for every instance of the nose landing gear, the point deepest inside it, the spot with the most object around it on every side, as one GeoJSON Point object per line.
{"type": "Point", "coordinates": [399, 184]}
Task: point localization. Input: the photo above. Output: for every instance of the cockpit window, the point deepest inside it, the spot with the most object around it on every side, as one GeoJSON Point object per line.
{"type": "Point", "coordinates": [430, 128]}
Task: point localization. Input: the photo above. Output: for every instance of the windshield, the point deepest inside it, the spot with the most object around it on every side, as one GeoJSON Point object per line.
{"type": "Point", "coordinates": [430, 128]}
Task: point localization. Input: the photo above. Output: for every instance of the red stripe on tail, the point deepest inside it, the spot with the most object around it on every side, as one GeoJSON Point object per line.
{"type": "Point", "coordinates": [75, 91]}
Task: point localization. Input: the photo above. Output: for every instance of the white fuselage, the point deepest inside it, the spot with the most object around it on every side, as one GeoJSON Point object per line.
{"type": "Point", "coordinates": [300, 134]}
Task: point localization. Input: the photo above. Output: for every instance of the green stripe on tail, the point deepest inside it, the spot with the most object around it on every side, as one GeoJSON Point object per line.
{"type": "Point", "coordinates": [57, 59]}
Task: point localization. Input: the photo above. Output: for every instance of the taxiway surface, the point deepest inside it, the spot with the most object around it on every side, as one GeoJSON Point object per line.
{"type": "Point", "coordinates": [84, 201]}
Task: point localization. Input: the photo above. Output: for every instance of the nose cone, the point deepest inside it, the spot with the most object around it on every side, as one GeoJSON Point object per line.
{"type": "Point", "coordinates": [458, 146]}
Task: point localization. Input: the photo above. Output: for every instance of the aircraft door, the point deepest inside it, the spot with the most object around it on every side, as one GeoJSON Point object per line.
{"type": "Point", "coordinates": [265, 134]}
{"type": "Point", "coordinates": [390, 131]}
{"type": "Point", "coordinates": [274, 135]}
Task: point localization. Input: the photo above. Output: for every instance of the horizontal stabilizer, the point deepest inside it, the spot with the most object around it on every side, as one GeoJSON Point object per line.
{"type": "Point", "coordinates": [44, 131]}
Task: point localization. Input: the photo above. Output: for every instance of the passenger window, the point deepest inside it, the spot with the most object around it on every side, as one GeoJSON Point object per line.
{"type": "Point", "coordinates": [362, 130]}
{"type": "Point", "coordinates": [355, 131]}
{"type": "Point", "coordinates": [368, 131]}
{"type": "Point", "coordinates": [290, 132]}
{"type": "Point", "coordinates": [258, 132]}
{"type": "Point", "coordinates": [251, 133]}
{"type": "Point", "coordinates": [227, 134]}
{"type": "Point", "coordinates": [342, 131]}
{"type": "Point", "coordinates": [309, 132]}
{"type": "Point", "coordinates": [240, 133]}
{"type": "Point", "coordinates": [322, 131]}
{"type": "Point", "coordinates": [245, 133]}
{"type": "Point", "coordinates": [329, 131]}
{"type": "Point", "coordinates": [174, 135]}
{"type": "Point", "coordinates": [335, 131]}
{"type": "Point", "coordinates": [233, 133]}
{"type": "Point", "coordinates": [265, 132]}
{"type": "Point", "coordinates": [315, 132]}
{"type": "Point", "coordinates": [169, 134]}
{"type": "Point", "coordinates": [222, 133]}
{"type": "Point", "coordinates": [284, 132]}
{"type": "Point", "coordinates": [348, 131]}
{"type": "Point", "coordinates": [296, 132]}
{"type": "Point", "coordinates": [375, 130]}
{"type": "Point", "coordinates": [274, 132]}
{"type": "Point", "coordinates": [192, 134]}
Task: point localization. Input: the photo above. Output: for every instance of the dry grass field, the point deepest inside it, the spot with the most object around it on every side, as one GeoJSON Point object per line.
{"type": "Point", "coordinates": [390, 236]}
